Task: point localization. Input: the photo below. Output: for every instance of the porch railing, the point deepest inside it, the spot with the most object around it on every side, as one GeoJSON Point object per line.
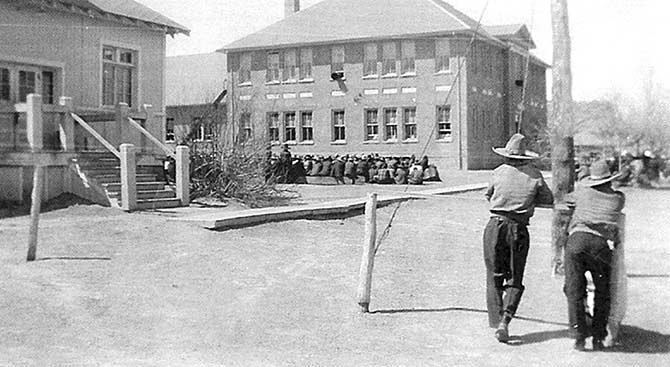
{"type": "Point", "coordinates": [34, 127]}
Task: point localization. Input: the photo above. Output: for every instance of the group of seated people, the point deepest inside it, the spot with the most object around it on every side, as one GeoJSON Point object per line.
{"type": "Point", "coordinates": [369, 168]}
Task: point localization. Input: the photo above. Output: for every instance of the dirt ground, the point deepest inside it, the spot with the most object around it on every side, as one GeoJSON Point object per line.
{"type": "Point", "coordinates": [117, 289]}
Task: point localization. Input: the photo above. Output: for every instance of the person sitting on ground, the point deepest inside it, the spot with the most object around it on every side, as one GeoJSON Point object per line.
{"type": "Point", "coordinates": [385, 175]}
{"type": "Point", "coordinates": [430, 174]}
{"type": "Point", "coordinates": [372, 174]}
{"type": "Point", "coordinates": [400, 175]}
{"type": "Point", "coordinates": [415, 175]}
{"type": "Point", "coordinates": [327, 167]}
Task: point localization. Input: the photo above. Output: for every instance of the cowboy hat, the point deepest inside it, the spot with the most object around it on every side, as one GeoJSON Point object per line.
{"type": "Point", "coordinates": [516, 149]}
{"type": "Point", "coordinates": [599, 174]}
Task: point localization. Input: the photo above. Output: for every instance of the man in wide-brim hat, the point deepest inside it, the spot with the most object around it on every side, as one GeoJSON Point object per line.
{"type": "Point", "coordinates": [593, 237]}
{"type": "Point", "coordinates": [516, 187]}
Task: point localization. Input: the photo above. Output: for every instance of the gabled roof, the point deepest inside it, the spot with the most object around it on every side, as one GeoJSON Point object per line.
{"type": "Point", "coordinates": [194, 79]}
{"type": "Point", "coordinates": [516, 33]}
{"type": "Point", "coordinates": [129, 9]}
{"type": "Point", "coordinates": [347, 20]}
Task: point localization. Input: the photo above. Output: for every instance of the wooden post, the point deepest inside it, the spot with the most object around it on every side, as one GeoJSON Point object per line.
{"type": "Point", "coordinates": [34, 130]}
{"type": "Point", "coordinates": [182, 175]}
{"type": "Point", "coordinates": [34, 127]}
{"type": "Point", "coordinates": [35, 207]}
{"type": "Point", "coordinates": [562, 125]}
{"type": "Point", "coordinates": [66, 126]}
{"type": "Point", "coordinates": [368, 260]}
{"type": "Point", "coordinates": [128, 178]}
{"type": "Point", "coordinates": [122, 111]}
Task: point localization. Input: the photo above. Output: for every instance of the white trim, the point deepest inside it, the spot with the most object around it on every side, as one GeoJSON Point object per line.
{"type": "Point", "coordinates": [290, 96]}
{"type": "Point", "coordinates": [448, 13]}
{"type": "Point", "coordinates": [306, 94]}
{"type": "Point", "coordinates": [390, 91]}
{"type": "Point", "coordinates": [32, 61]}
{"type": "Point", "coordinates": [370, 92]}
{"type": "Point", "coordinates": [406, 90]}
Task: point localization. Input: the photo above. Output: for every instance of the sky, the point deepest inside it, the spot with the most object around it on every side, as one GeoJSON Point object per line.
{"type": "Point", "coordinates": [616, 44]}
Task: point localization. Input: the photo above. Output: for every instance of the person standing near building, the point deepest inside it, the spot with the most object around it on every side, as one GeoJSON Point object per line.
{"type": "Point", "coordinates": [593, 236]}
{"type": "Point", "coordinates": [286, 160]}
{"type": "Point", "coordinates": [337, 170]}
{"type": "Point", "coordinates": [516, 187]}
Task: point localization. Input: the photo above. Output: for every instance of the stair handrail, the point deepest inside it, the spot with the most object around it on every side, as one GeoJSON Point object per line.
{"type": "Point", "coordinates": [153, 139]}
{"type": "Point", "coordinates": [96, 135]}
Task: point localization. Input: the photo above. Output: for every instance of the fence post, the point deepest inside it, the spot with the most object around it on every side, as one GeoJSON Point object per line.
{"type": "Point", "coordinates": [368, 260]}
{"type": "Point", "coordinates": [66, 125]}
{"type": "Point", "coordinates": [34, 132]}
{"type": "Point", "coordinates": [128, 184]}
{"type": "Point", "coordinates": [121, 112]}
{"type": "Point", "coordinates": [148, 117]}
{"type": "Point", "coordinates": [34, 122]}
{"type": "Point", "coordinates": [182, 174]}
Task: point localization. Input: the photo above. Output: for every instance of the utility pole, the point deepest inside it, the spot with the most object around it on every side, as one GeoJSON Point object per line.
{"type": "Point", "coordinates": [562, 131]}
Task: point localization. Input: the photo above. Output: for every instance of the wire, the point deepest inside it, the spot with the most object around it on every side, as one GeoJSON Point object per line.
{"type": "Point", "coordinates": [522, 105]}
{"type": "Point", "coordinates": [387, 229]}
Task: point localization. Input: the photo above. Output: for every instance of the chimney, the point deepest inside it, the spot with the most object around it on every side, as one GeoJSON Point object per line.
{"type": "Point", "coordinates": [291, 7]}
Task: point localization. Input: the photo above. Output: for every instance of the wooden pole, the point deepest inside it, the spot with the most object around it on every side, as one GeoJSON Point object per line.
{"type": "Point", "coordinates": [368, 260]}
{"type": "Point", "coordinates": [35, 207]}
{"type": "Point", "coordinates": [562, 129]}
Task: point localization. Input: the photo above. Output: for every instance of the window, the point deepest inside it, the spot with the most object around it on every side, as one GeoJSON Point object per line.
{"type": "Point", "coordinates": [169, 129]}
{"type": "Point", "coordinates": [245, 126]}
{"type": "Point", "coordinates": [5, 90]}
{"type": "Point", "coordinates": [391, 124]}
{"type": "Point", "coordinates": [371, 125]}
{"type": "Point", "coordinates": [338, 126]}
{"type": "Point", "coordinates": [272, 74]}
{"type": "Point", "coordinates": [442, 55]}
{"type": "Point", "coordinates": [26, 84]}
{"type": "Point", "coordinates": [245, 68]}
{"type": "Point", "coordinates": [444, 123]}
{"type": "Point", "coordinates": [306, 126]}
{"type": "Point", "coordinates": [306, 64]}
{"type": "Point", "coordinates": [118, 69]}
{"type": "Point", "coordinates": [289, 126]}
{"type": "Point", "coordinates": [408, 53]}
{"type": "Point", "coordinates": [290, 70]}
{"type": "Point", "coordinates": [201, 131]}
{"type": "Point", "coordinates": [337, 59]}
{"type": "Point", "coordinates": [273, 127]}
{"type": "Point", "coordinates": [48, 87]}
{"type": "Point", "coordinates": [389, 59]}
{"type": "Point", "coordinates": [370, 60]}
{"type": "Point", "coordinates": [409, 123]}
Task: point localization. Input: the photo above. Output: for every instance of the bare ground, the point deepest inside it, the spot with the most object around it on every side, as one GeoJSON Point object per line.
{"type": "Point", "coordinates": [116, 289]}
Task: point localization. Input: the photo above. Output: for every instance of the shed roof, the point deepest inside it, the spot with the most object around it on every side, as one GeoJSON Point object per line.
{"type": "Point", "coordinates": [517, 33]}
{"type": "Point", "coordinates": [344, 20]}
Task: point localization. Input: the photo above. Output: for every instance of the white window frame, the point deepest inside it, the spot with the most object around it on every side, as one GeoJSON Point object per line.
{"type": "Point", "coordinates": [444, 127]}
{"type": "Point", "coordinates": [274, 126]}
{"type": "Point", "coordinates": [406, 124]}
{"type": "Point", "coordinates": [290, 127]}
{"type": "Point", "coordinates": [116, 63]}
{"type": "Point", "coordinates": [306, 127]}
{"type": "Point", "coordinates": [390, 124]}
{"type": "Point", "coordinates": [339, 126]}
{"type": "Point", "coordinates": [370, 124]}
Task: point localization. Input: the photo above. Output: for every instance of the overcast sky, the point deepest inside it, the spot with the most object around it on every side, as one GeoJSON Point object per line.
{"type": "Point", "coordinates": [616, 43]}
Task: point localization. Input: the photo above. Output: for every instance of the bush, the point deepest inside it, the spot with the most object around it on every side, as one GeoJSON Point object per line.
{"type": "Point", "coordinates": [239, 172]}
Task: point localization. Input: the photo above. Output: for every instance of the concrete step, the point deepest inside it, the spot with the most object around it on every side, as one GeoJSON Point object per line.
{"type": "Point", "coordinates": [141, 186]}
{"type": "Point", "coordinates": [158, 204]}
{"type": "Point", "coordinates": [116, 178]}
{"type": "Point", "coordinates": [149, 194]}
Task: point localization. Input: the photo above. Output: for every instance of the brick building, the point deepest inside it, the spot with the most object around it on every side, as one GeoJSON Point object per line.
{"type": "Point", "coordinates": [400, 91]}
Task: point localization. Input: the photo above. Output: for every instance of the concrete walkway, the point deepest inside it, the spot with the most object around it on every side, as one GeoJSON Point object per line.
{"type": "Point", "coordinates": [226, 219]}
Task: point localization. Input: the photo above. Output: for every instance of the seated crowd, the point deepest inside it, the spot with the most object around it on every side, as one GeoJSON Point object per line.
{"type": "Point", "coordinates": [371, 168]}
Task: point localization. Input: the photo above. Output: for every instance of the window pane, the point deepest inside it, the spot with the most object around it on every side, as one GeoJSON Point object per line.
{"type": "Point", "coordinates": [371, 125]}
{"type": "Point", "coordinates": [126, 57]}
{"type": "Point", "coordinates": [443, 122]}
{"type": "Point", "coordinates": [273, 123]}
{"type": "Point", "coordinates": [290, 126]}
{"type": "Point", "coordinates": [338, 125]}
{"type": "Point", "coordinates": [370, 59]}
{"type": "Point", "coordinates": [123, 85]}
{"type": "Point", "coordinates": [245, 68]}
{"type": "Point", "coordinates": [107, 85]}
{"type": "Point", "coordinates": [337, 58]}
{"type": "Point", "coordinates": [305, 63]}
{"type": "Point", "coordinates": [410, 123]}
{"type": "Point", "coordinates": [391, 123]}
{"type": "Point", "coordinates": [169, 129]}
{"type": "Point", "coordinates": [389, 53]}
{"type": "Point", "coordinates": [5, 90]}
{"type": "Point", "coordinates": [26, 84]}
{"type": "Point", "coordinates": [273, 67]}
{"type": "Point", "coordinates": [306, 123]}
{"type": "Point", "coordinates": [108, 53]}
{"type": "Point", "coordinates": [48, 87]}
{"type": "Point", "coordinates": [408, 51]}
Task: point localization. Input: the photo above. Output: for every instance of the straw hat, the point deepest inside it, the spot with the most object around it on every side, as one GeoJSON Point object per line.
{"type": "Point", "coordinates": [600, 174]}
{"type": "Point", "coordinates": [516, 149]}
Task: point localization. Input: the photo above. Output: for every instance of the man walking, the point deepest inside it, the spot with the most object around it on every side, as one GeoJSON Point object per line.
{"type": "Point", "coordinates": [593, 236]}
{"type": "Point", "coordinates": [515, 189]}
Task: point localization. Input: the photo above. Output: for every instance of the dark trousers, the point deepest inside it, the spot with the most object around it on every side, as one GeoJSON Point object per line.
{"type": "Point", "coordinates": [587, 252]}
{"type": "Point", "coordinates": [506, 245]}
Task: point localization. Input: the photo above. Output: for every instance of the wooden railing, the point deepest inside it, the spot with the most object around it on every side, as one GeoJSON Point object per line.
{"type": "Point", "coordinates": [95, 134]}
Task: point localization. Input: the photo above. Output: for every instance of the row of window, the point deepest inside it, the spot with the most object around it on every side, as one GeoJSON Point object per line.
{"type": "Point", "coordinates": [16, 82]}
{"type": "Point", "coordinates": [294, 65]}
{"type": "Point", "coordinates": [395, 124]}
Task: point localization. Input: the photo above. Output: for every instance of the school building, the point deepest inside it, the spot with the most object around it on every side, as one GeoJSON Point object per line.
{"type": "Point", "coordinates": [395, 77]}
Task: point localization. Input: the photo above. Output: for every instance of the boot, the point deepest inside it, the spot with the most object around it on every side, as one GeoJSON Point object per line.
{"type": "Point", "coordinates": [502, 332]}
